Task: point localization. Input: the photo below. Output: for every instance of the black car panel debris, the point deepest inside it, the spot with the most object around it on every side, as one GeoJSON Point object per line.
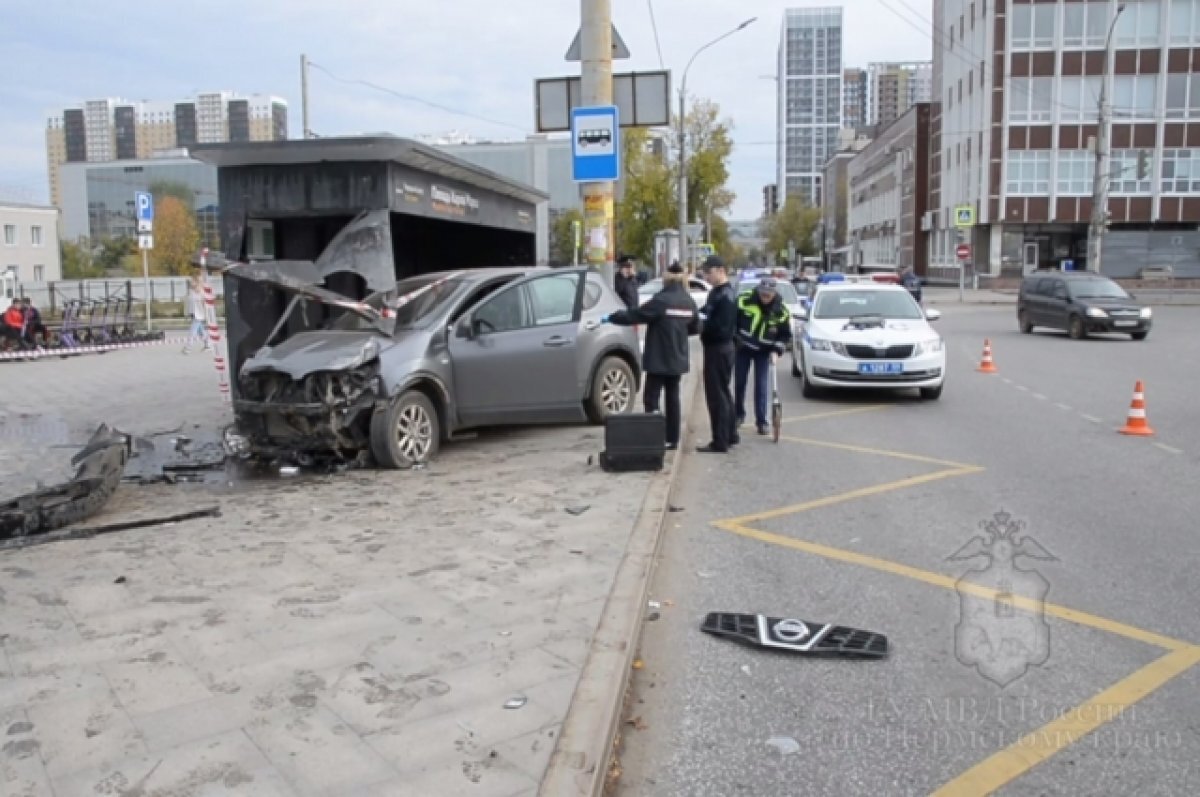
{"type": "Point", "coordinates": [99, 467]}
{"type": "Point", "coordinates": [797, 636]}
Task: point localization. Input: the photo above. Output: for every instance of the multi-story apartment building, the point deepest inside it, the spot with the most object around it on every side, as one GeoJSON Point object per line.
{"type": "Point", "coordinates": [887, 192]}
{"type": "Point", "coordinates": [895, 87]}
{"type": "Point", "coordinates": [29, 243]}
{"type": "Point", "coordinates": [855, 88]}
{"type": "Point", "coordinates": [113, 129]}
{"type": "Point", "coordinates": [810, 99]}
{"type": "Point", "coordinates": [1015, 115]}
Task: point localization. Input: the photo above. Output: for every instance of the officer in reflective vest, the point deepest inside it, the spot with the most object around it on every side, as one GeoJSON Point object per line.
{"type": "Point", "coordinates": [764, 332]}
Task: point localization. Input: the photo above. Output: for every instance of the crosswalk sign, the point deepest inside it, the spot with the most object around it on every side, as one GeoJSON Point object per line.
{"type": "Point", "coordinates": [964, 216]}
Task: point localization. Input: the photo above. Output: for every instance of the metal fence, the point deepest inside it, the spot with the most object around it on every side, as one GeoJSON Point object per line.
{"type": "Point", "coordinates": [168, 295]}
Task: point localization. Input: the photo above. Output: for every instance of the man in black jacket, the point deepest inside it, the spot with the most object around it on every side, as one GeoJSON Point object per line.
{"type": "Point", "coordinates": [626, 283]}
{"type": "Point", "coordinates": [717, 336]}
{"type": "Point", "coordinates": [670, 317]}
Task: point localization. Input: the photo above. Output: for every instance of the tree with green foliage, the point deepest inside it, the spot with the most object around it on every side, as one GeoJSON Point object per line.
{"type": "Point", "coordinates": [709, 145]}
{"type": "Point", "coordinates": [562, 237]}
{"type": "Point", "coordinates": [647, 204]}
{"type": "Point", "coordinates": [112, 253]}
{"type": "Point", "coordinates": [796, 221]}
{"type": "Point", "coordinates": [77, 261]}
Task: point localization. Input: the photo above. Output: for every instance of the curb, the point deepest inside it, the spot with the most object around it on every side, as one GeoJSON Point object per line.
{"type": "Point", "coordinates": [579, 764]}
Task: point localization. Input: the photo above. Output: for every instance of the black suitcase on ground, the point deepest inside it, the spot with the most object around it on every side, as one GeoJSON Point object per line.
{"type": "Point", "coordinates": [634, 443]}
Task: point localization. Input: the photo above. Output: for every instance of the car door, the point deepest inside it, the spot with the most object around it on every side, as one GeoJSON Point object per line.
{"type": "Point", "coordinates": [514, 355]}
{"type": "Point", "coordinates": [1057, 302]}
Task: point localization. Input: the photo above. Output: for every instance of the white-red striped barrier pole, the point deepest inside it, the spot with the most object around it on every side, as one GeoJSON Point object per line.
{"type": "Point", "coordinates": [214, 338]}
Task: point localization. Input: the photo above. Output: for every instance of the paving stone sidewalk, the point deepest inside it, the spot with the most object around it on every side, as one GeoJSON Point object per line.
{"type": "Point", "coordinates": [357, 634]}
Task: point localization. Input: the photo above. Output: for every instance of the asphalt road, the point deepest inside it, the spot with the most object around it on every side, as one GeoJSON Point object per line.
{"type": "Point", "coordinates": [851, 519]}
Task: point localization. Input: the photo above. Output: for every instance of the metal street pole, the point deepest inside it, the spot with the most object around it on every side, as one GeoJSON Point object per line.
{"type": "Point", "coordinates": [146, 286]}
{"type": "Point", "coordinates": [596, 87]}
{"type": "Point", "coordinates": [304, 94]}
{"type": "Point", "coordinates": [685, 250]}
{"type": "Point", "coordinates": [1100, 176]}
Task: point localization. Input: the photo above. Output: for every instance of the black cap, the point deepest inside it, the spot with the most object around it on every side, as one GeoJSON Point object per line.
{"type": "Point", "coordinates": [625, 260]}
{"type": "Point", "coordinates": [767, 284]}
{"type": "Point", "coordinates": [713, 261]}
{"type": "Point", "coordinates": [675, 268]}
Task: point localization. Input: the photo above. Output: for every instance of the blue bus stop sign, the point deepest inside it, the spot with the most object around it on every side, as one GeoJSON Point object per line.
{"type": "Point", "coordinates": [595, 144]}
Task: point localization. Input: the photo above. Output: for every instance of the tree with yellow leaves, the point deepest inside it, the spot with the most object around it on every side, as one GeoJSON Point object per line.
{"type": "Point", "coordinates": [176, 238]}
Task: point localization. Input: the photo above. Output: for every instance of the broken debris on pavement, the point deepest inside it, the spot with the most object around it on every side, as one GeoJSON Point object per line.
{"type": "Point", "coordinates": [797, 636]}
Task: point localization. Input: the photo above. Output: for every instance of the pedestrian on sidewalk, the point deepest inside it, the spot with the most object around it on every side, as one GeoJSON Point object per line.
{"type": "Point", "coordinates": [196, 304]}
{"type": "Point", "coordinates": [764, 332]}
{"type": "Point", "coordinates": [719, 315]}
{"type": "Point", "coordinates": [626, 283]}
{"type": "Point", "coordinates": [670, 317]}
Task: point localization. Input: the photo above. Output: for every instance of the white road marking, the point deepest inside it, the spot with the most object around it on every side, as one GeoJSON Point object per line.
{"type": "Point", "coordinates": [1089, 418]}
{"type": "Point", "coordinates": [1007, 381]}
{"type": "Point", "coordinates": [1064, 407]}
{"type": "Point", "coordinates": [1165, 447]}
{"type": "Point", "coordinates": [1039, 397]}
{"type": "Point", "coordinates": [1022, 388]}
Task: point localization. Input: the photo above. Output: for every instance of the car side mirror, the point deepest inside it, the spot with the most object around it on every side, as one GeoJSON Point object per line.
{"type": "Point", "coordinates": [466, 328]}
{"type": "Point", "coordinates": [932, 314]}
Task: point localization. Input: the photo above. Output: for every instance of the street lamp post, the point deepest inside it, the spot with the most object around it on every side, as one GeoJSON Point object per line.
{"type": "Point", "coordinates": [684, 250]}
{"type": "Point", "coordinates": [1100, 176]}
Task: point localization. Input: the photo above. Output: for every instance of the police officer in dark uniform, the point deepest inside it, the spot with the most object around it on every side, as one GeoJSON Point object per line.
{"type": "Point", "coordinates": [626, 283]}
{"type": "Point", "coordinates": [670, 317]}
{"type": "Point", "coordinates": [717, 335]}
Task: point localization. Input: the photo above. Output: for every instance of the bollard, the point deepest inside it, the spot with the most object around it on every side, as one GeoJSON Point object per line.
{"type": "Point", "coordinates": [214, 338]}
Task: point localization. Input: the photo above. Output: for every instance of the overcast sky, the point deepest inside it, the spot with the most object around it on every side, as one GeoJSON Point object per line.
{"type": "Point", "coordinates": [475, 56]}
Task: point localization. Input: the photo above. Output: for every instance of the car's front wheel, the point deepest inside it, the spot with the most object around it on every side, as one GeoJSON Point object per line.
{"type": "Point", "coordinates": [807, 388]}
{"type": "Point", "coordinates": [407, 433]}
{"type": "Point", "coordinates": [1076, 329]}
{"type": "Point", "coordinates": [1023, 321]}
{"type": "Point", "coordinates": [613, 390]}
{"type": "Point", "coordinates": [931, 393]}
{"type": "Point", "coordinates": [1139, 335]}
{"type": "Point", "coordinates": [796, 366]}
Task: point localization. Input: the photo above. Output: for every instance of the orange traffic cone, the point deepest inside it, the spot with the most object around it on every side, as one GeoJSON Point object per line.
{"type": "Point", "coordinates": [986, 365]}
{"type": "Point", "coordinates": [1136, 423]}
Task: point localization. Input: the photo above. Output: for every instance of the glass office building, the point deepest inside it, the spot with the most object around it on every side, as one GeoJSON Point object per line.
{"type": "Point", "coordinates": [98, 198]}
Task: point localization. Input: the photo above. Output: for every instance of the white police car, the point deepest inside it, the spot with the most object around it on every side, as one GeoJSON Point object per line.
{"type": "Point", "coordinates": [868, 335]}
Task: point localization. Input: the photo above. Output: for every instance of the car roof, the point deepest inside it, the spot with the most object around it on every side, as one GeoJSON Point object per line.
{"type": "Point", "coordinates": [1053, 272]}
{"type": "Point", "coordinates": [834, 287]}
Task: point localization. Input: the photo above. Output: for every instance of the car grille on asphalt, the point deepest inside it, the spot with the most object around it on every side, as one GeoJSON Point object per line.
{"type": "Point", "coordinates": [872, 353]}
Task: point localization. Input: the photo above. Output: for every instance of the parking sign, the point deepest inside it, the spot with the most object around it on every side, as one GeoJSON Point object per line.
{"type": "Point", "coordinates": [595, 144]}
{"type": "Point", "coordinates": [145, 211]}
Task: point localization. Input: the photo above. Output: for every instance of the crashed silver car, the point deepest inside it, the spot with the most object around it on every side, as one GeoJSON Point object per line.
{"type": "Point", "coordinates": [401, 371]}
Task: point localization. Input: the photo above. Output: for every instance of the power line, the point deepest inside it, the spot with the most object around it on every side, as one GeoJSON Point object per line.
{"type": "Point", "coordinates": [411, 98]}
{"type": "Point", "coordinates": [654, 27]}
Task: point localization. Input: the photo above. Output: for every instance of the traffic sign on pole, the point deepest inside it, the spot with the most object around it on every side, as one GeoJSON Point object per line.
{"type": "Point", "coordinates": [595, 144]}
{"type": "Point", "coordinates": [145, 211]}
{"type": "Point", "coordinates": [963, 251]}
{"type": "Point", "coordinates": [964, 216]}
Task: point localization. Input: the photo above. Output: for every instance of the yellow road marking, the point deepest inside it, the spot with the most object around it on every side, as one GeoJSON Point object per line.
{"type": "Point", "coordinates": [951, 583]}
{"type": "Point", "coordinates": [837, 413]}
{"type": "Point", "coordinates": [853, 494]}
{"type": "Point", "coordinates": [877, 452]}
{"type": "Point", "coordinates": [1034, 748]}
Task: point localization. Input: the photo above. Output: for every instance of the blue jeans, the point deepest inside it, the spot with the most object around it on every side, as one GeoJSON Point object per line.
{"type": "Point", "coordinates": [761, 360]}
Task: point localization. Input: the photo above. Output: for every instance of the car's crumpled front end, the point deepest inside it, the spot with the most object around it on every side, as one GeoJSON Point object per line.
{"type": "Point", "coordinates": [312, 395]}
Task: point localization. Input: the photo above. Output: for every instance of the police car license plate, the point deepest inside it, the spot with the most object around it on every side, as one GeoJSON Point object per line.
{"type": "Point", "coordinates": [1125, 323]}
{"type": "Point", "coordinates": [881, 368]}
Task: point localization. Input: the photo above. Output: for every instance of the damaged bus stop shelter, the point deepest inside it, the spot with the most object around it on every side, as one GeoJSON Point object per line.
{"type": "Point", "coordinates": [353, 216]}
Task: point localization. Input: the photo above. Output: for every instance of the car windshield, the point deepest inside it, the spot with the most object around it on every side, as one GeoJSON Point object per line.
{"type": "Point", "coordinates": [414, 313]}
{"type": "Point", "coordinates": [1096, 288]}
{"type": "Point", "coordinates": [851, 303]}
{"type": "Point", "coordinates": [785, 289]}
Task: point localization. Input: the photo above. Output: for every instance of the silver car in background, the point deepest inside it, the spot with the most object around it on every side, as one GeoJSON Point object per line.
{"type": "Point", "coordinates": [399, 373]}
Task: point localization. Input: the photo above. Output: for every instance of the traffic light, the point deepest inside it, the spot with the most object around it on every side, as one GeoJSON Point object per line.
{"type": "Point", "coordinates": [1143, 164]}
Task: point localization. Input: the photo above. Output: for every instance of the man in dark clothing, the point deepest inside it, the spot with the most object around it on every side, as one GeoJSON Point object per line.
{"type": "Point", "coordinates": [764, 330]}
{"type": "Point", "coordinates": [717, 335]}
{"type": "Point", "coordinates": [35, 330]}
{"type": "Point", "coordinates": [670, 317]}
{"type": "Point", "coordinates": [626, 282]}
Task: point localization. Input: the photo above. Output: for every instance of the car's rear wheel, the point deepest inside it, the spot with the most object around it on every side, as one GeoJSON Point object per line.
{"type": "Point", "coordinates": [407, 433]}
{"type": "Point", "coordinates": [931, 393]}
{"type": "Point", "coordinates": [1139, 335]}
{"type": "Point", "coordinates": [1023, 321]}
{"type": "Point", "coordinates": [613, 390]}
{"type": "Point", "coordinates": [1076, 329]}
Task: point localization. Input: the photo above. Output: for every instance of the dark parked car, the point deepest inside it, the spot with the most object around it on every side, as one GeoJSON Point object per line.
{"type": "Point", "coordinates": [402, 371]}
{"type": "Point", "coordinates": [1080, 303]}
